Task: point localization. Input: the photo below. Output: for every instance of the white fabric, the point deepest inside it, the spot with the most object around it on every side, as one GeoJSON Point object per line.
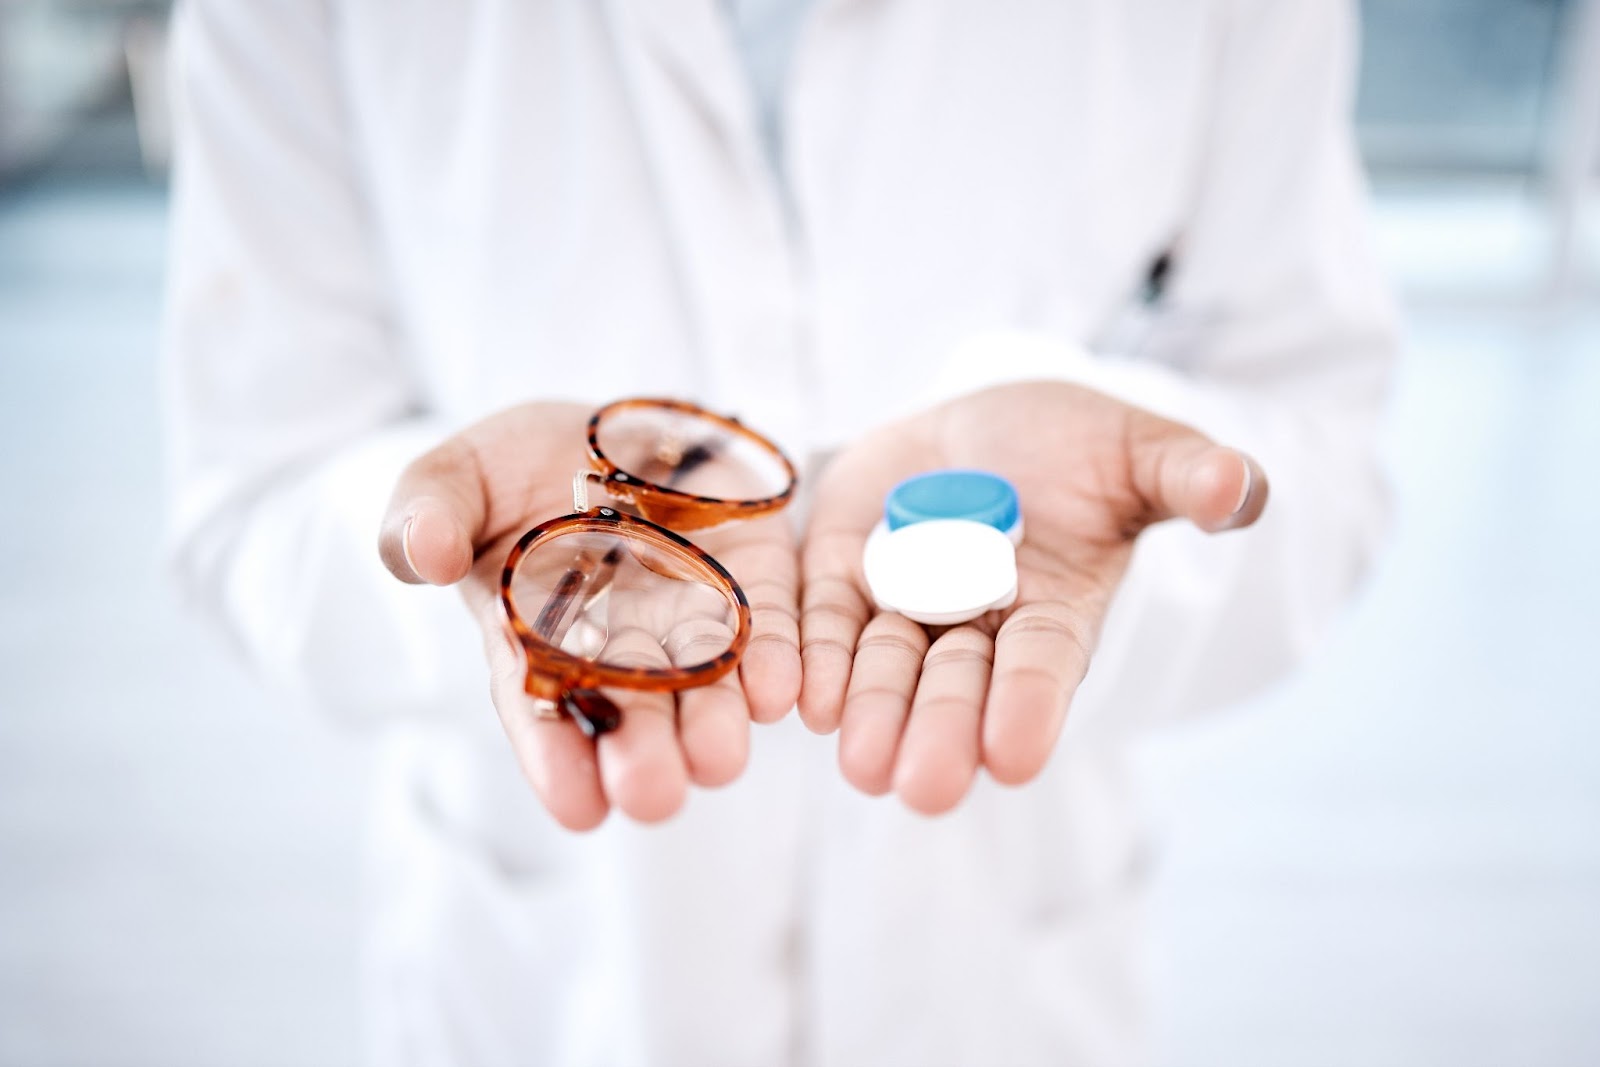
{"type": "Point", "coordinates": [394, 219]}
{"type": "Point", "coordinates": [765, 33]}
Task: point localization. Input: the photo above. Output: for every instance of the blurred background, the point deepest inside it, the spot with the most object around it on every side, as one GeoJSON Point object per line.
{"type": "Point", "coordinates": [1392, 859]}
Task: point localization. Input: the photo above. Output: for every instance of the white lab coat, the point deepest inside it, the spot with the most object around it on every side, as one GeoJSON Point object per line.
{"type": "Point", "coordinates": [395, 218]}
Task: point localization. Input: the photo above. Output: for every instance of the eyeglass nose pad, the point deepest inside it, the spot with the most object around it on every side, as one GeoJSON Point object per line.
{"type": "Point", "coordinates": [592, 710]}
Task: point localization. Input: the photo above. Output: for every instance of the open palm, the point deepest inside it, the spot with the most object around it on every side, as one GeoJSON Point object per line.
{"type": "Point", "coordinates": [455, 515]}
{"type": "Point", "coordinates": [920, 710]}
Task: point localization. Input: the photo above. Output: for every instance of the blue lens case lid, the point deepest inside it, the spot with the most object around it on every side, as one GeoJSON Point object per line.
{"type": "Point", "coordinates": [973, 495]}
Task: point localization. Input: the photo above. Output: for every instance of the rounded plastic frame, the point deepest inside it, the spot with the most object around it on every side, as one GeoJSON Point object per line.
{"type": "Point", "coordinates": [569, 681]}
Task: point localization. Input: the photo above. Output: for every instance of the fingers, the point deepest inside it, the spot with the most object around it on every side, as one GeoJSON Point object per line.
{"type": "Point", "coordinates": [1041, 654]}
{"type": "Point", "coordinates": [921, 719]}
{"type": "Point", "coordinates": [434, 516]}
{"type": "Point", "coordinates": [714, 729]}
{"type": "Point", "coordinates": [642, 766]}
{"type": "Point", "coordinates": [939, 753]}
{"type": "Point", "coordinates": [834, 611]}
{"type": "Point", "coordinates": [888, 660]}
{"type": "Point", "coordinates": [713, 721]}
{"type": "Point", "coordinates": [1181, 474]}
{"type": "Point", "coordinates": [763, 560]}
{"type": "Point", "coordinates": [556, 759]}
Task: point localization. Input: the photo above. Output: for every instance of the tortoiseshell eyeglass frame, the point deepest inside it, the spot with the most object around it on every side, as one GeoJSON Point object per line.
{"type": "Point", "coordinates": [570, 684]}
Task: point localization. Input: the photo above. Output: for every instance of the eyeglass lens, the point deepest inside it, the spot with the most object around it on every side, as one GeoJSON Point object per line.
{"type": "Point", "coordinates": [690, 453]}
{"type": "Point", "coordinates": [624, 601]}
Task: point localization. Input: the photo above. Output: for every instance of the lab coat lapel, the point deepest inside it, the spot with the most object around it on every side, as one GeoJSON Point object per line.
{"type": "Point", "coordinates": [722, 206]}
{"type": "Point", "coordinates": [688, 39]}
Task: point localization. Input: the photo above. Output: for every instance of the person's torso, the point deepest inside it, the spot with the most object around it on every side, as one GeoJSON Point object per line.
{"type": "Point", "coordinates": [574, 199]}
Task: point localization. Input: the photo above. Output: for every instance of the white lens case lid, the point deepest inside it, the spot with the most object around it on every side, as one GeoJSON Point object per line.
{"type": "Point", "coordinates": [942, 571]}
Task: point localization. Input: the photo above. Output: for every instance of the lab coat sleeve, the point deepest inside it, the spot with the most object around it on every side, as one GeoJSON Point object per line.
{"type": "Point", "coordinates": [290, 405]}
{"type": "Point", "coordinates": [1277, 338]}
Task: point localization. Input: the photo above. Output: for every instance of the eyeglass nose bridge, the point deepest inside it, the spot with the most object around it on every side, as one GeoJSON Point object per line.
{"type": "Point", "coordinates": [580, 488]}
{"type": "Point", "coordinates": [618, 484]}
{"type": "Point", "coordinates": [661, 506]}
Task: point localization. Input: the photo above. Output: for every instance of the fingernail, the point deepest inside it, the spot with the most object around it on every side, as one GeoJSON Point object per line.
{"type": "Point", "coordinates": [405, 546]}
{"type": "Point", "coordinates": [1244, 490]}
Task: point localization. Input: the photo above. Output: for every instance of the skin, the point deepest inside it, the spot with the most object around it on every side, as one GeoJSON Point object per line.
{"type": "Point", "coordinates": [918, 711]}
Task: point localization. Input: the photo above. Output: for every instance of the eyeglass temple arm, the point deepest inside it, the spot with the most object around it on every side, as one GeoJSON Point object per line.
{"type": "Point", "coordinates": [585, 580]}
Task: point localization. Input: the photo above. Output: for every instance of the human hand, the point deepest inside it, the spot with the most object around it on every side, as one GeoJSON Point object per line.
{"type": "Point", "coordinates": [455, 515]}
{"type": "Point", "coordinates": [918, 711]}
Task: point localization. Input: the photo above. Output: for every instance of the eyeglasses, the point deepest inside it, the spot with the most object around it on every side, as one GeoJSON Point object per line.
{"type": "Point", "coordinates": [606, 597]}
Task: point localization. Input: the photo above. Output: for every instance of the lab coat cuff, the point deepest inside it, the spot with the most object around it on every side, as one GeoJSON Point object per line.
{"type": "Point", "coordinates": [984, 361]}
{"type": "Point", "coordinates": [316, 608]}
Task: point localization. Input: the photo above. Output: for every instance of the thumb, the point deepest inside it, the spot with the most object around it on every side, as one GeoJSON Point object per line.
{"type": "Point", "coordinates": [435, 516]}
{"type": "Point", "coordinates": [1180, 473]}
